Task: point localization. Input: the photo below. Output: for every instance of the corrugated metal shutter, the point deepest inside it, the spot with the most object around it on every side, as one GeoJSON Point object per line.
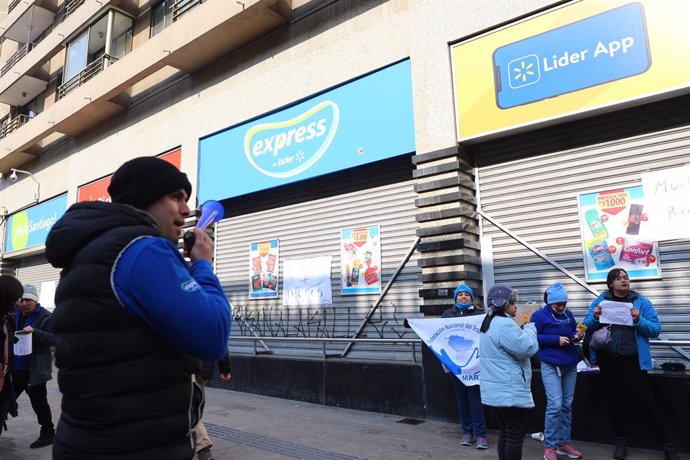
{"type": "Point", "coordinates": [537, 199]}
{"type": "Point", "coordinates": [36, 270]}
{"type": "Point", "coordinates": [310, 229]}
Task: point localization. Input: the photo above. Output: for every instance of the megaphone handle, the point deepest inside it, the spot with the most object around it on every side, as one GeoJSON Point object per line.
{"type": "Point", "coordinates": [189, 239]}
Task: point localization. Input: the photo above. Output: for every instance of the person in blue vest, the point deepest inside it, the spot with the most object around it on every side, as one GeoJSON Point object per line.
{"type": "Point", "coordinates": [469, 399]}
{"type": "Point", "coordinates": [505, 350]}
{"type": "Point", "coordinates": [31, 372]}
{"type": "Point", "coordinates": [557, 334]}
{"type": "Point", "coordinates": [133, 319]}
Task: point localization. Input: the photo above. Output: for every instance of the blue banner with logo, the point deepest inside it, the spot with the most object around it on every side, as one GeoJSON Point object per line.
{"type": "Point", "coordinates": [455, 342]}
{"type": "Point", "coordinates": [602, 48]}
{"type": "Point", "coordinates": [30, 227]}
{"type": "Point", "coordinates": [366, 120]}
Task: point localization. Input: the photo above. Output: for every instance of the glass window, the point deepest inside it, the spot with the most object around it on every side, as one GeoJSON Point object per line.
{"type": "Point", "coordinates": [161, 16]}
{"type": "Point", "coordinates": [76, 56]}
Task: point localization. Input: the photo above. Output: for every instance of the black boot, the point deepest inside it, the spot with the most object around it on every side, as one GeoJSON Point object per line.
{"type": "Point", "coordinates": [621, 450]}
{"type": "Point", "coordinates": [45, 439]}
{"type": "Point", "coordinates": [670, 451]}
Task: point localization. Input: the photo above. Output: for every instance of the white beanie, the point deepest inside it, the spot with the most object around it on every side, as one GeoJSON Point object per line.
{"type": "Point", "coordinates": [30, 292]}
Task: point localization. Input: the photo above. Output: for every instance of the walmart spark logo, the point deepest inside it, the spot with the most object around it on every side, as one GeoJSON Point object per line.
{"type": "Point", "coordinates": [524, 71]}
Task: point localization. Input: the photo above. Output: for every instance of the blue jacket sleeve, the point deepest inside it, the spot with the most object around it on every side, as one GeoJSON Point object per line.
{"type": "Point", "coordinates": [648, 324]}
{"type": "Point", "coordinates": [521, 343]}
{"type": "Point", "coordinates": [187, 308]}
{"type": "Point", "coordinates": [591, 320]}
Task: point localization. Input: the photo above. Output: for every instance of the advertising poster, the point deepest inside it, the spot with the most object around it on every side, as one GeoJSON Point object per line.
{"type": "Point", "coordinates": [307, 281]}
{"type": "Point", "coordinates": [30, 227]}
{"type": "Point", "coordinates": [322, 134]}
{"type": "Point", "coordinates": [263, 269]}
{"type": "Point", "coordinates": [667, 195]}
{"type": "Point", "coordinates": [360, 260]}
{"type": "Point", "coordinates": [614, 228]}
{"type": "Point", "coordinates": [454, 341]}
{"type": "Point", "coordinates": [586, 56]}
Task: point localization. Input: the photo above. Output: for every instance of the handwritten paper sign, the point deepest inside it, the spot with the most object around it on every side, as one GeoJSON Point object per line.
{"type": "Point", "coordinates": [667, 194]}
{"type": "Point", "coordinates": [616, 313]}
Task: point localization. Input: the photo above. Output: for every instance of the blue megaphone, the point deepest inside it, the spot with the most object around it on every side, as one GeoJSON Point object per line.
{"type": "Point", "coordinates": [211, 211]}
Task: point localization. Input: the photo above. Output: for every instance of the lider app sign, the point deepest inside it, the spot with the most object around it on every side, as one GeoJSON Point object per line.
{"type": "Point", "coordinates": [575, 60]}
{"type": "Point", "coordinates": [360, 122]}
{"type": "Point", "coordinates": [602, 48]}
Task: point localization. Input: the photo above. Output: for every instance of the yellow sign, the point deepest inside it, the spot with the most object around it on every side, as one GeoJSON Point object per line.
{"type": "Point", "coordinates": [587, 56]}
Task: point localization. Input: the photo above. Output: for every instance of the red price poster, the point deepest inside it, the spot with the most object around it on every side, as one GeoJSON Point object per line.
{"type": "Point", "coordinates": [360, 260]}
{"type": "Point", "coordinates": [263, 269]}
{"type": "Point", "coordinates": [612, 225]}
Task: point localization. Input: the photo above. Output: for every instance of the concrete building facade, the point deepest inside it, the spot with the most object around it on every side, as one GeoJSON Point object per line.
{"type": "Point", "coordinates": [455, 191]}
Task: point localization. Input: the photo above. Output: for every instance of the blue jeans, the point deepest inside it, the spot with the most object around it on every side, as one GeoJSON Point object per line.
{"type": "Point", "coordinates": [559, 385]}
{"type": "Point", "coordinates": [470, 408]}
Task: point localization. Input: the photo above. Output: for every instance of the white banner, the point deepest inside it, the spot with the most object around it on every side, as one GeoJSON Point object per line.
{"type": "Point", "coordinates": [455, 341]}
{"type": "Point", "coordinates": [667, 196]}
{"type": "Point", "coordinates": [307, 281]}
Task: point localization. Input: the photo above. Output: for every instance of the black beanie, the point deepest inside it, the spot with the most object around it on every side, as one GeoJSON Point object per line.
{"type": "Point", "coordinates": [143, 181]}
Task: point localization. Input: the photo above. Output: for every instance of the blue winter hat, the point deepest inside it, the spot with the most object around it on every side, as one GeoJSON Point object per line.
{"type": "Point", "coordinates": [556, 293]}
{"type": "Point", "coordinates": [463, 288]}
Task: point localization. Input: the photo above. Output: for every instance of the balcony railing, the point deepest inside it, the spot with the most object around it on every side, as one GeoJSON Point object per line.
{"type": "Point", "coordinates": [13, 124]}
{"type": "Point", "coordinates": [16, 57]}
{"type": "Point", "coordinates": [13, 4]}
{"type": "Point", "coordinates": [66, 9]}
{"type": "Point", "coordinates": [90, 71]}
{"type": "Point", "coordinates": [180, 7]}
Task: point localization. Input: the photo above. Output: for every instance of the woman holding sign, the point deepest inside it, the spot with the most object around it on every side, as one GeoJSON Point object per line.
{"type": "Point", "coordinates": [624, 358]}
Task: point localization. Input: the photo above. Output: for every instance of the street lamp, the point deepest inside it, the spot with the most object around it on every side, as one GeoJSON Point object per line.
{"type": "Point", "coordinates": [13, 178]}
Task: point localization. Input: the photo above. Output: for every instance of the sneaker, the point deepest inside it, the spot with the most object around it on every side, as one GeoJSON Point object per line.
{"type": "Point", "coordinates": [43, 440]}
{"type": "Point", "coordinates": [550, 453]}
{"type": "Point", "coordinates": [482, 444]}
{"type": "Point", "coordinates": [621, 450]}
{"type": "Point", "coordinates": [569, 450]}
{"type": "Point", "coordinates": [466, 440]}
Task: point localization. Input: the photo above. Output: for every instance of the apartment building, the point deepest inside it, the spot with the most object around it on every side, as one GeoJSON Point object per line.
{"type": "Point", "coordinates": [379, 152]}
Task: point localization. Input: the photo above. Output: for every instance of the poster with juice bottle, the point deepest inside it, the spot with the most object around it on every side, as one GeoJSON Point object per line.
{"type": "Point", "coordinates": [612, 226]}
{"type": "Point", "coordinates": [360, 260]}
{"type": "Point", "coordinates": [263, 269]}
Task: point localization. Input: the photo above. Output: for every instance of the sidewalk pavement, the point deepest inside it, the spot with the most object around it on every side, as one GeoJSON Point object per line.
{"type": "Point", "coordinates": [247, 426]}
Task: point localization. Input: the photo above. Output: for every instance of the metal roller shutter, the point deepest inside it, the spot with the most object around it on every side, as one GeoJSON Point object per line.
{"type": "Point", "coordinates": [310, 229]}
{"type": "Point", "coordinates": [36, 270]}
{"type": "Point", "coordinates": [537, 199]}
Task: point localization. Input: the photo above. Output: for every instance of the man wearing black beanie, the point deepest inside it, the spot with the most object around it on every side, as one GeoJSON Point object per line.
{"type": "Point", "coordinates": [131, 316]}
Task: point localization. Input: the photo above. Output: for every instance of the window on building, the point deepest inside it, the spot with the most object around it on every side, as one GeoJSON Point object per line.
{"type": "Point", "coordinates": [101, 44]}
{"type": "Point", "coordinates": [161, 16]}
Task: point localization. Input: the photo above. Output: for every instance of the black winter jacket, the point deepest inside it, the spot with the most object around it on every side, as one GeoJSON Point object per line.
{"type": "Point", "coordinates": [41, 361]}
{"type": "Point", "coordinates": [126, 393]}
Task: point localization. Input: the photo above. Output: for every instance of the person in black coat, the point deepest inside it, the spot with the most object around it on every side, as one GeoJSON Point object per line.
{"type": "Point", "coordinates": [31, 372]}
{"type": "Point", "coordinates": [10, 291]}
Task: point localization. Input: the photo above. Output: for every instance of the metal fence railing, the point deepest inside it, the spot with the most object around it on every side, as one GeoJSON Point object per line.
{"type": "Point", "coordinates": [13, 124]}
{"type": "Point", "coordinates": [90, 71]}
{"type": "Point", "coordinates": [16, 57]}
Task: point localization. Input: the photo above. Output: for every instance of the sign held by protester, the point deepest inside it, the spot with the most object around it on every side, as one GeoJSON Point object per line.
{"type": "Point", "coordinates": [455, 341]}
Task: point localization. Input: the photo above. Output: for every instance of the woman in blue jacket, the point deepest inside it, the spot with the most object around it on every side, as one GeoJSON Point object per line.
{"type": "Point", "coordinates": [557, 332]}
{"type": "Point", "coordinates": [624, 363]}
{"type": "Point", "coordinates": [505, 350]}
